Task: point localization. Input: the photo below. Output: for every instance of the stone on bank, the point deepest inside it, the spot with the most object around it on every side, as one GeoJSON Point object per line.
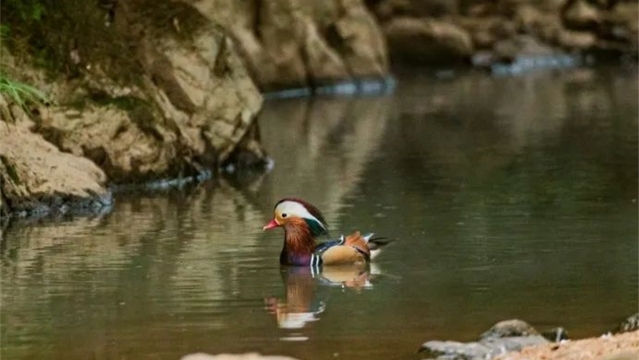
{"type": "Point", "coordinates": [37, 178]}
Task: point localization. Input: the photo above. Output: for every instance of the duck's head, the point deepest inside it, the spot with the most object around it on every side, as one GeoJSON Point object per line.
{"type": "Point", "coordinates": [290, 212]}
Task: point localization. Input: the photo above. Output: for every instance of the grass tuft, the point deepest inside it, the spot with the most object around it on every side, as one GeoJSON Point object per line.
{"type": "Point", "coordinates": [22, 94]}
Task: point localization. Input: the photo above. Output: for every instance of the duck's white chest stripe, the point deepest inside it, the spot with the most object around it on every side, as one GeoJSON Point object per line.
{"type": "Point", "coordinates": [316, 260]}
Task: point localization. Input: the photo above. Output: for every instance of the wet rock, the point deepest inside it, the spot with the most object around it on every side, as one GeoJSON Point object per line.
{"type": "Point", "coordinates": [37, 179]}
{"type": "Point", "coordinates": [453, 350]}
{"type": "Point", "coordinates": [501, 338]}
{"type": "Point", "coordinates": [509, 328]}
{"type": "Point", "coordinates": [428, 41]}
{"type": "Point", "coordinates": [247, 356]}
{"type": "Point", "coordinates": [484, 349]}
{"type": "Point", "coordinates": [629, 324]}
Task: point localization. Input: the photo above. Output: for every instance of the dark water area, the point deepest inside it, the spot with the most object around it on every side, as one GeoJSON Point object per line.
{"type": "Point", "coordinates": [508, 197]}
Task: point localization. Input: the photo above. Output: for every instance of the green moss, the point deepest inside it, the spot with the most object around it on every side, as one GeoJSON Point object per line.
{"type": "Point", "coordinates": [70, 37]}
{"type": "Point", "coordinates": [171, 18]}
{"type": "Point", "coordinates": [126, 103]}
{"type": "Point", "coordinates": [65, 36]}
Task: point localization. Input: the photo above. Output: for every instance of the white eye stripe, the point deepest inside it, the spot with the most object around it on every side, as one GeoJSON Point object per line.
{"type": "Point", "coordinates": [296, 209]}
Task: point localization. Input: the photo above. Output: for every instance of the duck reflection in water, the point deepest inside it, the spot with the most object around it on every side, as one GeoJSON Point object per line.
{"type": "Point", "coordinates": [308, 289]}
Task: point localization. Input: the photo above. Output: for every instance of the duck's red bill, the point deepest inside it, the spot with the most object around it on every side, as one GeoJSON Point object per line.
{"type": "Point", "coordinates": [271, 225]}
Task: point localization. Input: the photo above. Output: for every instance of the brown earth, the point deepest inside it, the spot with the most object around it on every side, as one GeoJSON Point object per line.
{"type": "Point", "coordinates": [615, 347]}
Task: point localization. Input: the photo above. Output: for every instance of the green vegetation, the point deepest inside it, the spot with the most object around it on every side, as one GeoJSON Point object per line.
{"type": "Point", "coordinates": [22, 94]}
{"type": "Point", "coordinates": [71, 37]}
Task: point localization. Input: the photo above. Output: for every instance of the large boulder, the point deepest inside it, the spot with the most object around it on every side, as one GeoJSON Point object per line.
{"type": "Point", "coordinates": [427, 41]}
{"type": "Point", "coordinates": [296, 43]}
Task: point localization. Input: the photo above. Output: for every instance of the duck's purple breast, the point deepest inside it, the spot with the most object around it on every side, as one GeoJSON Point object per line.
{"type": "Point", "coordinates": [287, 258]}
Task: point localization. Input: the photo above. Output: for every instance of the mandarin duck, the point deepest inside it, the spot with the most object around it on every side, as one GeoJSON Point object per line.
{"type": "Point", "coordinates": [304, 224]}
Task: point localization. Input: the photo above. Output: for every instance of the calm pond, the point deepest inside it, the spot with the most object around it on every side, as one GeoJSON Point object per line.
{"type": "Point", "coordinates": [508, 197]}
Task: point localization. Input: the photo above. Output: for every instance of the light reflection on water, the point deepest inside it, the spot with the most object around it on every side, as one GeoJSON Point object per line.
{"type": "Point", "coordinates": [509, 197]}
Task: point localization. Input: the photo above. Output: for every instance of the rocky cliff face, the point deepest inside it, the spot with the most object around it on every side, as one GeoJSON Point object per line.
{"type": "Point", "coordinates": [158, 92]}
{"type": "Point", "coordinates": [300, 43]}
{"type": "Point", "coordinates": [445, 32]}
{"type": "Point", "coordinates": [149, 90]}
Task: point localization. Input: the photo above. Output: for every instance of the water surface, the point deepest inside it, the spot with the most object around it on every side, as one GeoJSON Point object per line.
{"type": "Point", "coordinates": [508, 197]}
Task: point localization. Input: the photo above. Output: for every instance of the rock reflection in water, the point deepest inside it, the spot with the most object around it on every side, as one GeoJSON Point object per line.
{"type": "Point", "coordinates": [321, 147]}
